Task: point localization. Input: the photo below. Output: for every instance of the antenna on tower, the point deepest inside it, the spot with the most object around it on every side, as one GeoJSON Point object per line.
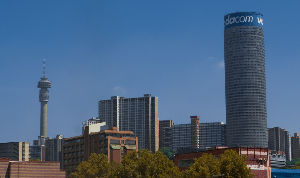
{"type": "Point", "coordinates": [44, 68]}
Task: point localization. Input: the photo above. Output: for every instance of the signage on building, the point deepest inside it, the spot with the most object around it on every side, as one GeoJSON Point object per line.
{"type": "Point", "coordinates": [243, 19]}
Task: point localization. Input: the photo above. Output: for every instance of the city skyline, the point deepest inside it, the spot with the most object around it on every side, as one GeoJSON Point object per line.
{"type": "Point", "coordinates": [173, 52]}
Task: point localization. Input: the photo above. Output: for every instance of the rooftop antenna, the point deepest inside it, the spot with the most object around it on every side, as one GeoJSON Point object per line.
{"type": "Point", "coordinates": [44, 68]}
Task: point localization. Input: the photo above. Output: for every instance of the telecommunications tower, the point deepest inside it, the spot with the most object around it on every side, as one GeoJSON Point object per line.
{"type": "Point", "coordinates": [43, 84]}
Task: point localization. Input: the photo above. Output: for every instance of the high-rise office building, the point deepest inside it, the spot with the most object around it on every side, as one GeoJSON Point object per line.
{"type": "Point", "coordinates": [53, 148]}
{"type": "Point", "coordinates": [211, 134]}
{"type": "Point", "coordinates": [195, 135]}
{"type": "Point", "coordinates": [15, 151]}
{"type": "Point", "coordinates": [295, 146]}
{"type": "Point", "coordinates": [164, 135]}
{"type": "Point", "coordinates": [181, 136]}
{"type": "Point", "coordinates": [35, 150]}
{"type": "Point", "coordinates": [245, 82]}
{"type": "Point", "coordinates": [139, 115]}
{"type": "Point", "coordinates": [279, 140]}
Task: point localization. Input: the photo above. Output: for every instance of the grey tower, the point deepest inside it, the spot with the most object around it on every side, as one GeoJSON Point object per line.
{"type": "Point", "coordinates": [245, 83]}
{"type": "Point", "coordinates": [43, 84]}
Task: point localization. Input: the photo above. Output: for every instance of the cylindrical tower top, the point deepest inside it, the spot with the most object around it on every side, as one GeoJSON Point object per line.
{"type": "Point", "coordinates": [44, 84]}
{"type": "Point", "coordinates": [243, 19]}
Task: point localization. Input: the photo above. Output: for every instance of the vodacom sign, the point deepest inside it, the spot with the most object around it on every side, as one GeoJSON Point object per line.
{"type": "Point", "coordinates": [240, 19]}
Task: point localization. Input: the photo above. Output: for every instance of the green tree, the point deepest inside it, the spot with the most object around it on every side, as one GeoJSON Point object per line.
{"type": "Point", "coordinates": [206, 166]}
{"type": "Point", "coordinates": [146, 164]}
{"type": "Point", "coordinates": [168, 152]}
{"type": "Point", "coordinates": [233, 165]}
{"type": "Point", "coordinates": [97, 166]}
{"type": "Point", "coordinates": [128, 168]}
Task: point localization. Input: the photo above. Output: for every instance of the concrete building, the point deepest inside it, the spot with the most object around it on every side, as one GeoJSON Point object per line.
{"type": "Point", "coordinates": [94, 124]}
{"type": "Point", "coordinates": [113, 143]}
{"type": "Point", "coordinates": [257, 159]}
{"type": "Point", "coordinates": [195, 135]}
{"type": "Point", "coordinates": [195, 122]}
{"type": "Point", "coordinates": [21, 169]}
{"type": "Point", "coordinates": [279, 140]}
{"type": "Point", "coordinates": [139, 115]}
{"type": "Point", "coordinates": [52, 149]}
{"type": "Point", "coordinates": [295, 146]}
{"type": "Point", "coordinates": [15, 151]}
{"type": "Point", "coordinates": [211, 134]}
{"type": "Point", "coordinates": [164, 135]}
{"type": "Point", "coordinates": [181, 136]}
{"type": "Point", "coordinates": [245, 82]}
{"type": "Point", "coordinates": [35, 150]}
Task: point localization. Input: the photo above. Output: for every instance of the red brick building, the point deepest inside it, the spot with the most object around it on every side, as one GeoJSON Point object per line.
{"type": "Point", "coordinates": [257, 159]}
{"type": "Point", "coordinates": [32, 169]}
{"type": "Point", "coordinates": [115, 144]}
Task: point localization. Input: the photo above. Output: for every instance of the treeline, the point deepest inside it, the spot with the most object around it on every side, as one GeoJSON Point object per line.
{"type": "Point", "coordinates": [145, 164]}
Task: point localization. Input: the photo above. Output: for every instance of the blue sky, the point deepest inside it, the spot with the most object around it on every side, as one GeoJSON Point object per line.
{"type": "Point", "coordinates": [171, 49]}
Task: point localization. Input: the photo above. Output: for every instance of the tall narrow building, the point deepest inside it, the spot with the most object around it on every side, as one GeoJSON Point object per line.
{"type": "Point", "coordinates": [280, 140]}
{"type": "Point", "coordinates": [164, 135]}
{"type": "Point", "coordinates": [245, 82]}
{"type": "Point", "coordinates": [295, 146]}
{"type": "Point", "coordinates": [43, 84]}
{"type": "Point", "coordinates": [139, 115]}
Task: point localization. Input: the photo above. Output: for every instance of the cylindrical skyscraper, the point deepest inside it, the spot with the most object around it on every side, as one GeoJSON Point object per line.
{"type": "Point", "coordinates": [245, 82]}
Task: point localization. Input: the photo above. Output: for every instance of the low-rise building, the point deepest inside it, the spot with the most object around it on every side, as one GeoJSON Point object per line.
{"type": "Point", "coordinates": [94, 124]}
{"type": "Point", "coordinates": [277, 159]}
{"type": "Point", "coordinates": [257, 159]}
{"type": "Point", "coordinates": [16, 151]}
{"type": "Point", "coordinates": [110, 142]}
{"type": "Point", "coordinates": [16, 169]}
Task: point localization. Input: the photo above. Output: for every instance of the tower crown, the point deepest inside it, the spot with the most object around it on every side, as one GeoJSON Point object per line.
{"type": "Point", "coordinates": [44, 84]}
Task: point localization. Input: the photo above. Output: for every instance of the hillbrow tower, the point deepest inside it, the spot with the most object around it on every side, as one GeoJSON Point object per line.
{"type": "Point", "coordinates": [245, 82]}
{"type": "Point", "coordinates": [43, 84]}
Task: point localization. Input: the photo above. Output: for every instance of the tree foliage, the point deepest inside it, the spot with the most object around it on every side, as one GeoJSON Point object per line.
{"type": "Point", "coordinates": [97, 166]}
{"type": "Point", "coordinates": [145, 164]}
{"type": "Point", "coordinates": [168, 152]}
{"type": "Point", "coordinates": [134, 165]}
{"type": "Point", "coordinates": [233, 165]}
{"type": "Point", "coordinates": [205, 166]}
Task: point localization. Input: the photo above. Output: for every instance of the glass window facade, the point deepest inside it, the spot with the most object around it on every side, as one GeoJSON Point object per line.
{"type": "Point", "coordinates": [245, 83]}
